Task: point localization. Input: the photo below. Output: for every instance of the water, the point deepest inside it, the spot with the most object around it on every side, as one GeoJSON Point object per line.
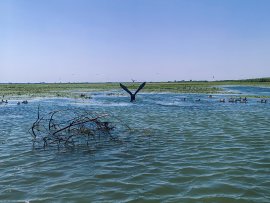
{"type": "Point", "coordinates": [178, 151]}
{"type": "Point", "coordinates": [248, 90]}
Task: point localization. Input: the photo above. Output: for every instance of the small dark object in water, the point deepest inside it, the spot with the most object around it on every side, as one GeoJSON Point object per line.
{"type": "Point", "coordinates": [197, 100]}
{"type": "Point", "coordinates": [4, 102]}
{"type": "Point", "coordinates": [25, 102]}
{"type": "Point", "coordinates": [263, 101]}
{"type": "Point", "coordinates": [18, 103]}
{"type": "Point", "coordinates": [222, 100]}
{"type": "Point", "coordinates": [243, 100]}
{"type": "Point", "coordinates": [132, 96]}
{"type": "Point", "coordinates": [84, 96]}
{"type": "Point", "coordinates": [114, 94]}
{"type": "Point", "coordinates": [232, 100]}
{"type": "Point", "coordinates": [210, 96]}
{"type": "Point", "coordinates": [238, 99]}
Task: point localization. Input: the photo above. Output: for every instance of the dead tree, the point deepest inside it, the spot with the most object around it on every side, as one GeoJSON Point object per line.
{"type": "Point", "coordinates": [73, 127]}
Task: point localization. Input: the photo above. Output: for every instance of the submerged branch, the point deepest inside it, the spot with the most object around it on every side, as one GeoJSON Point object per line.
{"type": "Point", "coordinates": [74, 127]}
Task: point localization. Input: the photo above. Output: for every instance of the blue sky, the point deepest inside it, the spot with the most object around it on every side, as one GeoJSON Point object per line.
{"type": "Point", "coordinates": [146, 40]}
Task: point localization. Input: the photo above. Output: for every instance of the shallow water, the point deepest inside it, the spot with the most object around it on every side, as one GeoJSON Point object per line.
{"type": "Point", "coordinates": [178, 151]}
{"type": "Point", "coordinates": [248, 90]}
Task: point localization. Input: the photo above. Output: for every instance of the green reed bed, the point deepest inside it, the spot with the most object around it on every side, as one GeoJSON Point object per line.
{"type": "Point", "coordinates": [74, 89]}
{"type": "Point", "coordinates": [52, 89]}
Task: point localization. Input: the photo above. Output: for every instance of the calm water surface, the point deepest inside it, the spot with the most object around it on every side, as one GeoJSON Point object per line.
{"type": "Point", "coordinates": [178, 151]}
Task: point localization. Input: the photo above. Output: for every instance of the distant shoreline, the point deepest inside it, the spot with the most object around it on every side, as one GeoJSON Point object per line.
{"type": "Point", "coordinates": [254, 80]}
{"type": "Point", "coordinates": [73, 90]}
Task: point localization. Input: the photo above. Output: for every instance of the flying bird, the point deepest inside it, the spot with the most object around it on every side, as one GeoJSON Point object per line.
{"type": "Point", "coordinates": [132, 96]}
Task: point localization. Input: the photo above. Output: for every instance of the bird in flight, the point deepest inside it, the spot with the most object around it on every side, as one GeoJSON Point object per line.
{"type": "Point", "coordinates": [132, 96]}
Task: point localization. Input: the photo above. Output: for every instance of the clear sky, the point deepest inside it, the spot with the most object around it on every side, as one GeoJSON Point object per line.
{"type": "Point", "coordinates": [145, 40]}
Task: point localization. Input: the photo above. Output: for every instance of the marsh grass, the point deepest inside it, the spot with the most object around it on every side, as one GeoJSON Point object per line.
{"type": "Point", "coordinates": [52, 89]}
{"type": "Point", "coordinates": [73, 89]}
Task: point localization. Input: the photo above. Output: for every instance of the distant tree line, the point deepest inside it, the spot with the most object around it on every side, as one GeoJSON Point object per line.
{"type": "Point", "coordinates": [249, 80]}
{"type": "Point", "coordinates": [258, 80]}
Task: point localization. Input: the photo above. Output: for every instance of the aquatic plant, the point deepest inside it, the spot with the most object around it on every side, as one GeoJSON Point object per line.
{"type": "Point", "coordinates": [73, 127]}
{"type": "Point", "coordinates": [74, 90]}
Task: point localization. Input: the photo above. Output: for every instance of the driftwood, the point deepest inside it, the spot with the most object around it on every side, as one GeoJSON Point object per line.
{"type": "Point", "coordinates": [73, 127]}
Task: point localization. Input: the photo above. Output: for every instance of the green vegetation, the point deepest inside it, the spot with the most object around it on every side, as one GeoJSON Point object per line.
{"type": "Point", "coordinates": [182, 87]}
{"type": "Point", "coordinates": [255, 80]}
{"type": "Point", "coordinates": [53, 89]}
{"type": "Point", "coordinates": [74, 89]}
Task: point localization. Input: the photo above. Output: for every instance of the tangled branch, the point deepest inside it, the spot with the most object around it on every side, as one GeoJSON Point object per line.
{"type": "Point", "coordinates": [72, 127]}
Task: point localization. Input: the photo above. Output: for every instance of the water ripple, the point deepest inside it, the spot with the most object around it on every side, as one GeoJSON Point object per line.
{"type": "Point", "coordinates": [178, 151]}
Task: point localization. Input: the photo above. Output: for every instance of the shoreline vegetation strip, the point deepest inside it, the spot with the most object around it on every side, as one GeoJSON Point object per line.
{"type": "Point", "coordinates": [73, 89]}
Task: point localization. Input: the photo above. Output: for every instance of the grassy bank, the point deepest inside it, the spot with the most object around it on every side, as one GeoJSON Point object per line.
{"type": "Point", "coordinates": [52, 89]}
{"type": "Point", "coordinates": [74, 89]}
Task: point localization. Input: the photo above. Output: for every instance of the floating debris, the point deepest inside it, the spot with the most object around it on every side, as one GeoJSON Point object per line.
{"type": "Point", "coordinates": [73, 127]}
